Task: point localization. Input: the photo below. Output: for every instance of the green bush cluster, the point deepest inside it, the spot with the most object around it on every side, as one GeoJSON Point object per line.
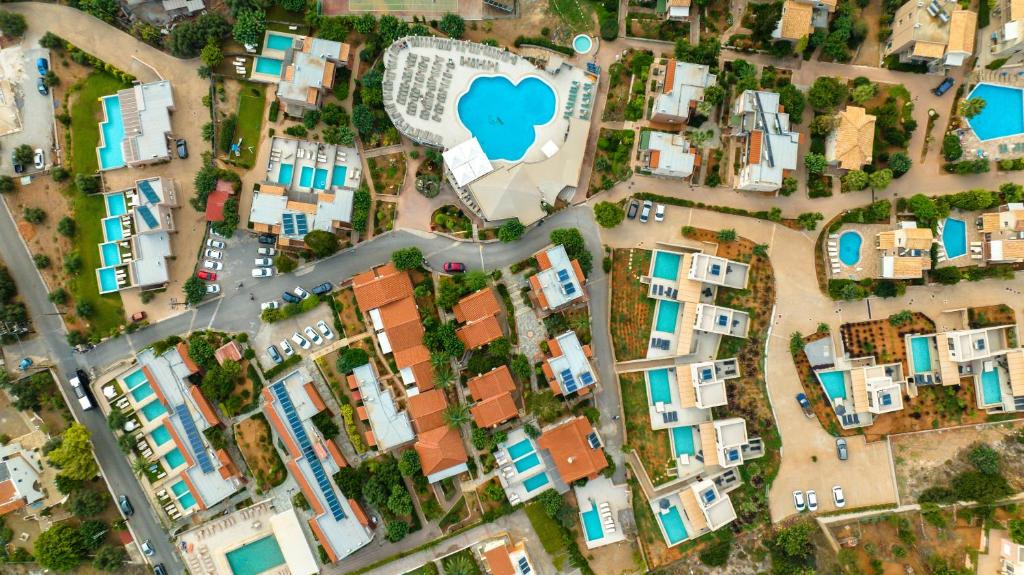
{"type": "Point", "coordinates": [290, 310]}
{"type": "Point", "coordinates": [544, 43]}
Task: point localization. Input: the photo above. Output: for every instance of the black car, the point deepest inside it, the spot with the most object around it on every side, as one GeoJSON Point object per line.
{"type": "Point", "coordinates": [159, 569]}
{"type": "Point", "coordinates": [18, 166]}
{"type": "Point", "coordinates": [323, 288]}
{"type": "Point", "coordinates": [82, 376]}
{"type": "Point", "coordinates": [182, 148]}
{"type": "Point", "coordinates": [290, 297]}
{"type": "Point", "coordinates": [125, 505]}
{"type": "Point", "coordinates": [268, 239]}
{"type": "Point", "coordinates": [634, 206]}
{"type": "Point", "coordinates": [944, 86]}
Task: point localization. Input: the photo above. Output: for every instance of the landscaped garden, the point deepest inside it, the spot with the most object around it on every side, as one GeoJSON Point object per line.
{"type": "Point", "coordinates": [651, 446]}
{"type": "Point", "coordinates": [451, 220]}
{"type": "Point", "coordinates": [252, 435]}
{"type": "Point", "coordinates": [655, 27]}
{"type": "Point", "coordinates": [384, 218]}
{"type": "Point", "coordinates": [631, 310]}
{"type": "Point", "coordinates": [613, 160]}
{"type": "Point", "coordinates": [251, 101]}
{"type": "Point", "coordinates": [388, 173]}
{"type": "Point", "coordinates": [627, 86]}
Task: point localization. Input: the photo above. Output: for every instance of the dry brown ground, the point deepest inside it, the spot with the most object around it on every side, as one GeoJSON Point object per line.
{"type": "Point", "coordinates": [252, 435]}
{"type": "Point", "coordinates": [632, 310]}
{"type": "Point", "coordinates": [388, 173]}
{"type": "Point", "coordinates": [881, 339]}
{"type": "Point", "coordinates": [990, 315]}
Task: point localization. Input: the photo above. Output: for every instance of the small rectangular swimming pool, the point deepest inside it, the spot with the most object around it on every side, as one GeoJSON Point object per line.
{"type": "Point", "coordinates": [256, 557]}
{"type": "Point", "coordinates": [922, 353]}
{"type": "Point", "coordinates": [667, 315]}
{"type": "Point", "coordinates": [520, 449]}
{"type": "Point", "coordinates": [180, 488]}
{"type": "Point", "coordinates": [112, 230]}
{"type": "Point", "coordinates": [135, 379]}
{"type": "Point", "coordinates": [320, 179]}
{"type": "Point", "coordinates": [529, 462]}
{"type": "Point", "coordinates": [338, 175]}
{"type": "Point", "coordinates": [990, 391]}
{"type": "Point", "coordinates": [187, 501]}
{"type": "Point", "coordinates": [268, 66]}
{"type": "Point", "coordinates": [835, 384]}
{"type": "Point", "coordinates": [682, 441]}
{"type": "Point", "coordinates": [107, 279]}
{"type": "Point", "coordinates": [661, 392]}
{"type": "Point", "coordinates": [672, 522]}
{"type": "Point", "coordinates": [174, 459]}
{"type": "Point", "coordinates": [284, 175]}
{"type": "Point", "coordinates": [110, 254]}
{"type": "Point", "coordinates": [153, 410]}
{"type": "Point", "coordinates": [279, 42]}
{"type": "Point", "coordinates": [536, 482]}
{"type": "Point", "coordinates": [116, 205]}
{"type": "Point", "coordinates": [954, 238]}
{"type": "Point", "coordinates": [160, 435]}
{"type": "Point", "coordinates": [142, 392]}
{"type": "Point", "coordinates": [592, 523]}
{"type": "Point", "coordinates": [666, 265]}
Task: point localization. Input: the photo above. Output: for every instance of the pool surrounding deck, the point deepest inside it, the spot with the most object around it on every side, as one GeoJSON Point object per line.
{"type": "Point", "coordinates": [835, 384]}
{"type": "Point", "coordinates": [668, 314]}
{"type": "Point", "coordinates": [536, 482]}
{"type": "Point", "coordinates": [1003, 114]}
{"type": "Point", "coordinates": [174, 459]}
{"type": "Point", "coordinates": [849, 248]}
{"type": "Point", "coordinates": [503, 116]}
{"type": "Point", "coordinates": [921, 350]}
{"type": "Point", "coordinates": [268, 66]}
{"type": "Point", "coordinates": [672, 522]}
{"type": "Point", "coordinates": [520, 449]}
{"type": "Point", "coordinates": [990, 390]}
{"type": "Point", "coordinates": [116, 204]}
{"type": "Point", "coordinates": [954, 238]}
{"type": "Point", "coordinates": [256, 557]}
{"type": "Point", "coordinates": [666, 265]}
{"type": "Point", "coordinates": [659, 386]}
{"type": "Point", "coordinates": [526, 463]}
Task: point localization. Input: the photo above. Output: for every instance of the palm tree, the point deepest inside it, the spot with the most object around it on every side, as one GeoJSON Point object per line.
{"type": "Point", "coordinates": [140, 466]}
{"type": "Point", "coordinates": [971, 107]}
{"type": "Point", "coordinates": [439, 360]}
{"type": "Point", "coordinates": [456, 415]}
{"type": "Point", "coordinates": [443, 377]}
{"type": "Point", "coordinates": [460, 565]}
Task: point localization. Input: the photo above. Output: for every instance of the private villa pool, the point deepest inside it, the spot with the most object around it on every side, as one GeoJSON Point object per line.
{"type": "Point", "coordinates": [659, 387]}
{"type": "Point", "coordinates": [666, 265]}
{"type": "Point", "coordinates": [528, 462]}
{"type": "Point", "coordinates": [116, 204]}
{"type": "Point", "coordinates": [849, 248]}
{"type": "Point", "coordinates": [317, 179]}
{"type": "Point", "coordinates": [520, 449]}
{"type": "Point", "coordinates": [110, 254]}
{"type": "Point", "coordinates": [268, 66]}
{"type": "Point", "coordinates": [112, 229]}
{"type": "Point", "coordinates": [1003, 114]}
{"type": "Point", "coordinates": [582, 44]}
{"type": "Point", "coordinates": [107, 279]}
{"type": "Point", "coordinates": [142, 392]}
{"type": "Point", "coordinates": [160, 435]}
{"type": "Point", "coordinates": [110, 154]}
{"type": "Point", "coordinates": [153, 410]}
{"type": "Point", "coordinates": [180, 488]}
{"type": "Point", "coordinates": [278, 42]}
{"type": "Point", "coordinates": [834, 383]}
{"type": "Point", "coordinates": [667, 315]}
{"type": "Point", "coordinates": [174, 459]}
{"type": "Point", "coordinates": [256, 557]}
{"type": "Point", "coordinates": [672, 522]}
{"type": "Point", "coordinates": [284, 175]}
{"type": "Point", "coordinates": [592, 523]}
{"type": "Point", "coordinates": [682, 441]}
{"type": "Point", "coordinates": [502, 115]}
{"type": "Point", "coordinates": [954, 238]}
{"type": "Point", "coordinates": [181, 491]}
{"type": "Point", "coordinates": [920, 349]}
{"type": "Point", "coordinates": [536, 482]}
{"type": "Point", "coordinates": [990, 390]}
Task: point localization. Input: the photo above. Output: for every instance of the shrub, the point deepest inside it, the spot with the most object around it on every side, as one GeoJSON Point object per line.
{"type": "Point", "coordinates": [511, 230]}
{"type": "Point", "coordinates": [608, 214]}
{"type": "Point", "coordinates": [407, 258]}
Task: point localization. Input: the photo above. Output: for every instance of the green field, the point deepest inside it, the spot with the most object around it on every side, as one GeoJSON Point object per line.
{"type": "Point", "coordinates": [573, 14]}
{"type": "Point", "coordinates": [548, 532]}
{"type": "Point", "coordinates": [85, 119]}
{"type": "Point", "coordinates": [251, 100]}
{"type": "Point", "coordinates": [404, 6]}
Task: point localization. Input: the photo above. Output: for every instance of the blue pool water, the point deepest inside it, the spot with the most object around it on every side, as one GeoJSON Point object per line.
{"type": "Point", "coordinates": [1003, 114]}
{"type": "Point", "coordinates": [135, 379]}
{"type": "Point", "coordinates": [256, 557]}
{"type": "Point", "coordinates": [520, 449]}
{"type": "Point", "coordinates": [592, 523]}
{"type": "Point", "coordinates": [284, 176]}
{"type": "Point", "coordinates": [529, 462]}
{"type": "Point", "coordinates": [835, 384]}
{"type": "Point", "coordinates": [673, 524]}
{"type": "Point", "coordinates": [116, 205]}
{"type": "Point", "coordinates": [187, 501]}
{"type": "Point", "coordinates": [174, 459]}
{"type": "Point", "coordinates": [108, 279]}
{"type": "Point", "coordinates": [536, 482]}
{"type": "Point", "coordinates": [160, 435]}
{"type": "Point", "coordinates": [668, 313]}
{"type": "Point", "coordinates": [849, 248]}
{"type": "Point", "coordinates": [954, 238]}
{"type": "Point", "coordinates": [582, 43]}
{"type": "Point", "coordinates": [269, 66]}
{"type": "Point", "coordinates": [682, 439]}
{"type": "Point", "coordinates": [660, 389]}
{"type": "Point", "coordinates": [112, 230]}
{"type": "Point", "coordinates": [306, 177]}
{"type": "Point", "coordinates": [153, 410]}
{"type": "Point", "coordinates": [666, 265]}
{"type": "Point", "coordinates": [180, 488]}
{"type": "Point", "coordinates": [320, 179]}
{"type": "Point", "coordinates": [922, 354]}
{"type": "Point", "coordinates": [502, 115]}
{"type": "Point", "coordinates": [111, 255]}
{"type": "Point", "coordinates": [278, 42]}
{"type": "Point", "coordinates": [111, 154]}
{"type": "Point", "coordinates": [990, 387]}
{"type": "Point", "coordinates": [142, 392]}
{"type": "Point", "coordinates": [338, 175]}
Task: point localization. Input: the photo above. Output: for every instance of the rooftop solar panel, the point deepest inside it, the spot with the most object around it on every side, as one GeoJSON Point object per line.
{"type": "Point", "coordinates": [193, 438]}
{"type": "Point", "coordinates": [148, 217]}
{"type": "Point", "coordinates": [563, 275]}
{"type": "Point", "coordinates": [288, 223]}
{"type": "Point", "coordinates": [301, 224]}
{"type": "Point", "coordinates": [147, 190]}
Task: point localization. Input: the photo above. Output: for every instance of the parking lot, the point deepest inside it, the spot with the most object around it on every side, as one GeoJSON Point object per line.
{"type": "Point", "coordinates": [273, 333]}
{"type": "Point", "coordinates": [33, 110]}
{"type": "Point", "coordinates": [238, 258]}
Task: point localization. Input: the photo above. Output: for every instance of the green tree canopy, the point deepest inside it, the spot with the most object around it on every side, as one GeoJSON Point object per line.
{"type": "Point", "coordinates": [14, 25]}
{"type": "Point", "coordinates": [407, 258]}
{"type": "Point", "coordinates": [881, 179]}
{"type": "Point", "coordinates": [970, 108]}
{"type": "Point", "coordinates": [74, 456]}
{"type": "Point", "coordinates": [321, 243]}
{"type": "Point", "coordinates": [511, 230]}
{"type": "Point", "coordinates": [352, 358]}
{"type": "Point", "coordinates": [827, 94]}
{"type": "Point", "coordinates": [211, 54]}
{"type": "Point", "coordinates": [608, 214]}
{"type": "Point", "coordinates": [409, 463]}
{"type": "Point", "coordinates": [453, 25]}
{"type": "Point", "coordinates": [195, 290]}
{"type": "Point", "coordinates": [60, 547]}
{"type": "Point", "coordinates": [249, 27]}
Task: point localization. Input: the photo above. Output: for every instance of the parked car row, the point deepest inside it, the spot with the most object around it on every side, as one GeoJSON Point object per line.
{"type": "Point", "coordinates": [810, 503]}
{"type": "Point", "coordinates": [265, 261]}
{"type": "Point", "coordinates": [317, 336]}
{"type": "Point", "coordinates": [645, 211]}
{"type": "Point", "coordinates": [214, 253]}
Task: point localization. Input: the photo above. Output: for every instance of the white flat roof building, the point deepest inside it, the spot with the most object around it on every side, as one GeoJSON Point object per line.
{"type": "Point", "coordinates": [391, 427]}
{"type": "Point", "coordinates": [682, 88]}
{"type": "Point", "coordinates": [711, 269]}
{"type": "Point", "coordinates": [571, 368]}
{"type": "Point", "coordinates": [668, 155]}
{"type": "Point", "coordinates": [558, 279]}
{"type": "Point", "coordinates": [770, 152]}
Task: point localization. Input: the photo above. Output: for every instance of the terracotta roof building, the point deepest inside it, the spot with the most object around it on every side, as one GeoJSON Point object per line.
{"type": "Point", "coordinates": [502, 558]}
{"type": "Point", "coordinates": [230, 350]}
{"type": "Point", "coordinates": [669, 155]}
{"type": "Point", "coordinates": [770, 147]}
{"type": "Point", "coordinates": [442, 454]}
{"type": "Point", "coordinates": [905, 252]}
{"type": "Point", "coordinates": [559, 282]}
{"type": "Point", "coordinates": [20, 470]}
{"type": "Point", "coordinates": [575, 448]}
{"type": "Point", "coordinates": [850, 145]}
{"type": "Point", "coordinates": [427, 410]}
{"type": "Point", "coordinates": [568, 369]}
{"type": "Point", "coordinates": [479, 311]}
{"type": "Point", "coordinates": [936, 33]}
{"type": "Point", "coordinates": [795, 22]}
{"type": "Point", "coordinates": [493, 394]}
{"type": "Point", "coordinates": [678, 88]}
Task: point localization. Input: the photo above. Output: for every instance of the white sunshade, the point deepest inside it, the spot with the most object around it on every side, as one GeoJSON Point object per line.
{"type": "Point", "coordinates": [467, 162]}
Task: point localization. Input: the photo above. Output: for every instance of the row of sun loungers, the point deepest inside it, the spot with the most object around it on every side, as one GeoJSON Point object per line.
{"type": "Point", "coordinates": [659, 290]}
{"type": "Point", "coordinates": [833, 253]}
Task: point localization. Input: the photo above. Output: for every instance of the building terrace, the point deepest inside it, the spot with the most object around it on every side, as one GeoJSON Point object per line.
{"type": "Point", "coordinates": [391, 427]}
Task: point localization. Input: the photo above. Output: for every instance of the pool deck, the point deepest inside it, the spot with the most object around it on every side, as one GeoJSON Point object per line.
{"type": "Point", "coordinates": [870, 263]}
{"type": "Point", "coordinates": [998, 148]}
{"type": "Point", "coordinates": [302, 153]}
{"type": "Point", "coordinates": [512, 480]}
{"type": "Point", "coordinates": [601, 491]}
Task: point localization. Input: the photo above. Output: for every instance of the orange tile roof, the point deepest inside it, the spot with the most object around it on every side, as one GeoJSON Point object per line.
{"type": "Point", "coordinates": [357, 510]}
{"type": "Point", "coordinates": [230, 350]}
{"type": "Point", "coordinates": [328, 78]}
{"type": "Point", "coordinates": [554, 350]}
{"type": "Point", "coordinates": [495, 410]}
{"type": "Point", "coordinates": [332, 447]}
{"type": "Point", "coordinates": [655, 158]}
{"type": "Point", "coordinates": [185, 357]}
{"type": "Point", "coordinates": [670, 76]}
{"type": "Point", "coordinates": [353, 383]}
{"type": "Point", "coordinates": [371, 439]}
{"type": "Point", "coordinates": [491, 384]}
{"type": "Point", "coordinates": [405, 336]}
{"type": "Point", "coordinates": [314, 396]}
{"type": "Point", "coordinates": [440, 449]}
{"type": "Point", "coordinates": [427, 409]}
{"type": "Point", "coordinates": [424, 374]}
{"type": "Point", "coordinates": [9, 498]}
{"type": "Point", "coordinates": [322, 539]}
{"type": "Point", "coordinates": [227, 466]}
{"type": "Point", "coordinates": [411, 356]}
{"type": "Point", "coordinates": [754, 155]}
{"type": "Point", "coordinates": [579, 272]}
{"type": "Point", "coordinates": [399, 312]}
{"type": "Point", "coordinates": [476, 306]}
{"type": "Point", "coordinates": [479, 333]}
{"type": "Point", "coordinates": [204, 406]}
{"type": "Point", "coordinates": [381, 285]}
{"type": "Point", "coordinates": [543, 261]}
{"type": "Point", "coordinates": [192, 488]}
{"type": "Point", "coordinates": [498, 561]}
{"type": "Point", "coordinates": [571, 452]}
{"type": "Point", "coordinates": [538, 292]}
{"type": "Point", "coordinates": [361, 412]}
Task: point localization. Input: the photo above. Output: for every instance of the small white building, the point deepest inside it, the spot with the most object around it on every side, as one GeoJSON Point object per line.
{"type": "Point", "coordinates": [668, 155]}
{"type": "Point", "coordinates": [679, 87]}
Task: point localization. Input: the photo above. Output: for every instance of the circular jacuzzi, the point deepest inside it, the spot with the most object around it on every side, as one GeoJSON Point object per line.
{"type": "Point", "coordinates": [582, 44]}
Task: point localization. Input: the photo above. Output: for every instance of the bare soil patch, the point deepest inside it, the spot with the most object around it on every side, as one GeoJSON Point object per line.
{"type": "Point", "coordinates": [632, 310]}
{"type": "Point", "coordinates": [252, 435]}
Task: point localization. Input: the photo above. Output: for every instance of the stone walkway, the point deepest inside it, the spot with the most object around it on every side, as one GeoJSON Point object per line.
{"type": "Point", "coordinates": [529, 326]}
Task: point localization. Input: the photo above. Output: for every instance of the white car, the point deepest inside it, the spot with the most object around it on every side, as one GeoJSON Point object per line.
{"type": "Point", "coordinates": [147, 548]}
{"type": "Point", "coordinates": [262, 272]}
{"type": "Point", "coordinates": [313, 335]}
{"type": "Point", "coordinates": [212, 243]}
{"type": "Point", "coordinates": [798, 500]}
{"type": "Point", "coordinates": [300, 292]}
{"type": "Point", "coordinates": [266, 251]}
{"type": "Point", "coordinates": [39, 159]}
{"type": "Point", "coordinates": [300, 341]}
{"type": "Point", "coordinates": [212, 288]}
{"type": "Point", "coordinates": [837, 496]}
{"type": "Point", "coordinates": [287, 348]}
{"type": "Point", "coordinates": [322, 326]}
{"type": "Point", "coordinates": [214, 254]}
{"type": "Point", "coordinates": [812, 500]}
{"type": "Point", "coordinates": [659, 213]}
{"type": "Point", "coordinates": [264, 262]}
{"type": "Point", "coordinates": [212, 265]}
{"type": "Point", "coordinates": [270, 305]}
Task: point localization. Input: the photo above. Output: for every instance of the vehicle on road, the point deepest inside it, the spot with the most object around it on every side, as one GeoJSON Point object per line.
{"type": "Point", "coordinates": [212, 243]}
{"type": "Point", "coordinates": [805, 405]}
{"type": "Point", "coordinates": [274, 304]}
{"type": "Point", "coordinates": [212, 265]}
{"type": "Point", "coordinates": [214, 254]}
{"type": "Point", "coordinates": [454, 267]}
{"type": "Point", "coordinates": [944, 86]}
{"type": "Point", "coordinates": [43, 66]}
{"type": "Point", "coordinates": [182, 148]}
{"type": "Point", "coordinates": [266, 251]}
{"type": "Point", "coordinates": [812, 500]}
{"type": "Point", "coordinates": [299, 291]}
{"type": "Point", "coordinates": [323, 288]}
{"type": "Point", "coordinates": [262, 272]}
{"type": "Point", "coordinates": [287, 348]}
{"type": "Point", "coordinates": [126, 506]}
{"type": "Point", "coordinates": [798, 500]}
{"type": "Point", "coordinates": [634, 207]}
{"type": "Point", "coordinates": [38, 159]}
{"type": "Point", "coordinates": [313, 335]}
{"type": "Point", "coordinates": [25, 363]}
{"type": "Point", "coordinates": [837, 496]}
{"type": "Point", "coordinates": [206, 276]}
{"type": "Point", "coordinates": [267, 239]}
{"type": "Point", "coordinates": [322, 326]}
{"type": "Point", "coordinates": [300, 341]}
{"type": "Point", "coordinates": [159, 569]}
{"type": "Point", "coordinates": [263, 262]}
{"type": "Point", "coordinates": [212, 288]}
{"type": "Point", "coordinates": [147, 548]}
{"type": "Point", "coordinates": [645, 213]}
{"type": "Point", "coordinates": [659, 213]}
{"type": "Point", "coordinates": [275, 356]}
{"type": "Point", "coordinates": [290, 297]}
{"type": "Point", "coordinates": [18, 166]}
{"type": "Point", "coordinates": [79, 383]}
{"type": "Point", "coordinates": [41, 87]}
{"type": "Point", "coordinates": [841, 449]}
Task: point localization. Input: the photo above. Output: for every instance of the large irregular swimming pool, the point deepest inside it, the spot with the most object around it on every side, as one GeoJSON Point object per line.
{"type": "Point", "coordinates": [1003, 114]}
{"type": "Point", "coordinates": [502, 115]}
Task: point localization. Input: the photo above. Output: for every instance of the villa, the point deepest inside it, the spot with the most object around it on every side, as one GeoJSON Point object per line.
{"type": "Point", "coordinates": [303, 68]}
{"type": "Point", "coordinates": [697, 509]}
{"type": "Point", "coordinates": [479, 312]}
{"type": "Point", "coordinates": [1002, 232]}
{"type": "Point", "coordinates": [859, 390]}
{"type": "Point", "coordinates": [1007, 36]}
{"type": "Point", "coordinates": [601, 505]}
{"type": "Point", "coordinates": [513, 135]}
{"type": "Point", "coordinates": [384, 295]}
{"type": "Point", "coordinates": [136, 126]}
{"type": "Point", "coordinates": [678, 88]}
{"type": "Point", "coordinates": [524, 469]}
{"type": "Point", "coordinates": [390, 427]}
{"type": "Point", "coordinates": [668, 155]}
{"type": "Point", "coordinates": [338, 524]}
{"type": "Point", "coordinates": [492, 392]}
{"type": "Point", "coordinates": [568, 368]}
{"type": "Point", "coordinates": [800, 18]}
{"type": "Point", "coordinates": [558, 283]}
{"type": "Point", "coordinates": [905, 252]}
{"type": "Point", "coordinates": [442, 453]}
{"type": "Point", "coordinates": [678, 10]}
{"type": "Point", "coordinates": [683, 395]}
{"type": "Point", "coordinates": [137, 236]}
{"type": "Point", "coordinates": [21, 472]}
{"type": "Point", "coordinates": [769, 148]}
{"type": "Point", "coordinates": [309, 186]}
{"type": "Point", "coordinates": [575, 448]}
{"type": "Point", "coordinates": [937, 33]}
{"type": "Point", "coordinates": [849, 146]}
{"type": "Point", "coordinates": [167, 418]}
{"type": "Point", "coordinates": [502, 558]}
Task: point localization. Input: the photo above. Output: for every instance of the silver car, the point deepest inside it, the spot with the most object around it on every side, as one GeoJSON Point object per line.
{"type": "Point", "coordinates": [212, 265]}
{"type": "Point", "coordinates": [214, 254]}
{"type": "Point", "coordinates": [264, 262]}
{"type": "Point", "coordinates": [313, 335]}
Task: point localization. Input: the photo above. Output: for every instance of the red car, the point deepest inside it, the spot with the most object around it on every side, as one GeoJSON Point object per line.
{"type": "Point", "coordinates": [454, 267]}
{"type": "Point", "coordinates": [205, 275]}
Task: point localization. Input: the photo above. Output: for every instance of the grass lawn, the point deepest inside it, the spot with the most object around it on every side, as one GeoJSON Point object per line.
{"type": "Point", "coordinates": [548, 532]}
{"type": "Point", "coordinates": [85, 119]}
{"type": "Point", "coordinates": [251, 100]}
{"type": "Point", "coordinates": [426, 569]}
{"type": "Point", "coordinates": [651, 446]}
{"type": "Point", "coordinates": [464, 556]}
{"type": "Point", "coordinates": [573, 14]}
